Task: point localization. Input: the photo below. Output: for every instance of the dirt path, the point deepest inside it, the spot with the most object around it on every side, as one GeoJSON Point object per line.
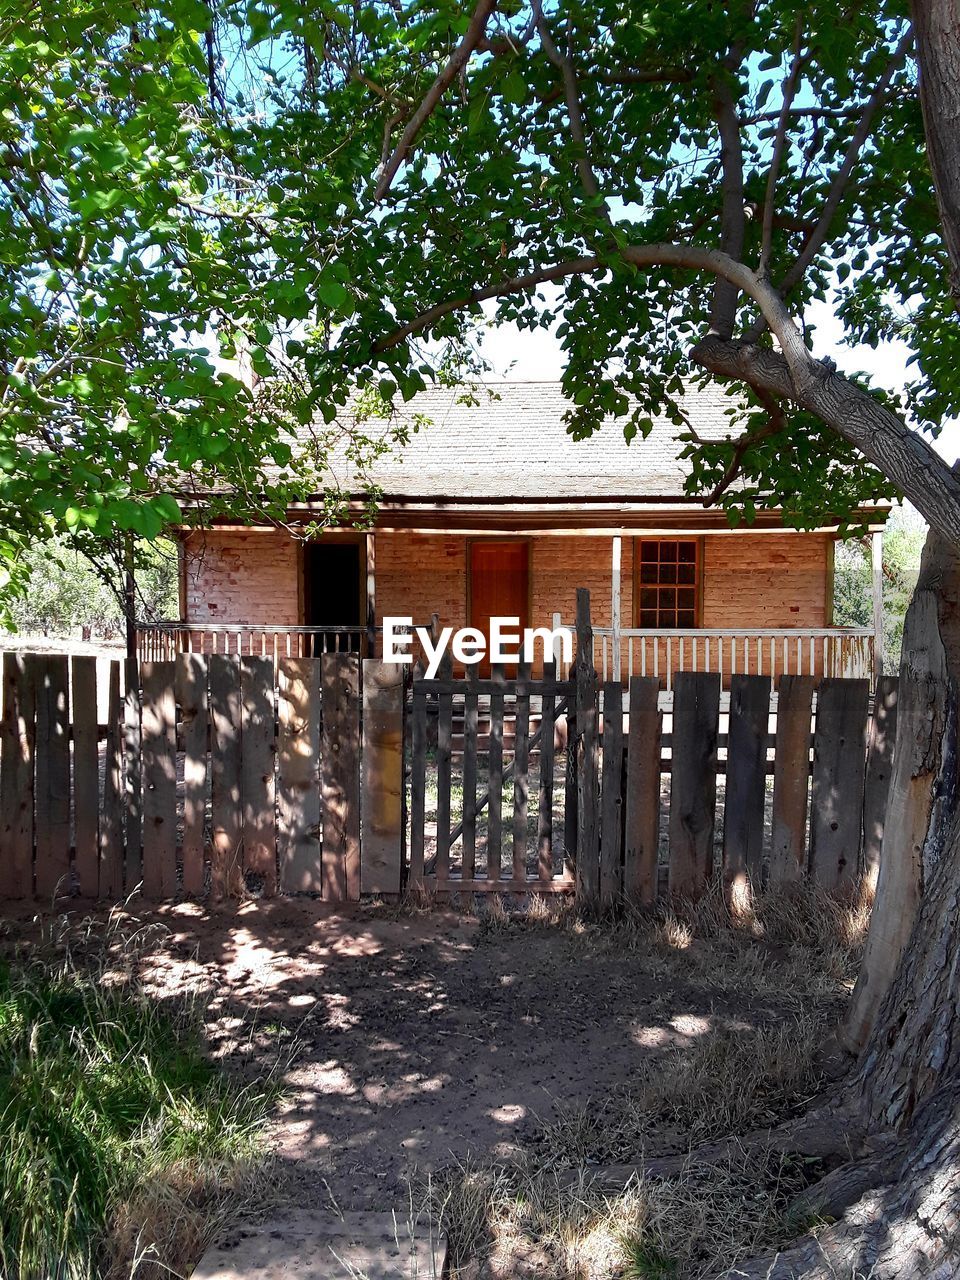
{"type": "Point", "coordinates": [426, 1037]}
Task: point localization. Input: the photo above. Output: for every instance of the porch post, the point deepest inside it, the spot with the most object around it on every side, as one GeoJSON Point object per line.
{"type": "Point", "coordinates": [876, 563]}
{"type": "Point", "coordinates": [615, 603]}
{"type": "Point", "coordinates": [371, 556]}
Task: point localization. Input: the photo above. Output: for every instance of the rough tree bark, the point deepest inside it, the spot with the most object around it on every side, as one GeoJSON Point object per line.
{"type": "Point", "coordinates": [936, 27]}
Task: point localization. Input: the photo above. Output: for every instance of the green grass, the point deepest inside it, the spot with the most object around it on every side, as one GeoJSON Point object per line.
{"type": "Point", "coordinates": [121, 1143]}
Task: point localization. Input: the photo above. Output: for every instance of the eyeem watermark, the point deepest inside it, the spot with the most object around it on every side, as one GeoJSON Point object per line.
{"type": "Point", "coordinates": [507, 643]}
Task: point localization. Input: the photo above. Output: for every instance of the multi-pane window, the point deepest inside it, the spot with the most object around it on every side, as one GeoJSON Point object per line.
{"type": "Point", "coordinates": [667, 573]}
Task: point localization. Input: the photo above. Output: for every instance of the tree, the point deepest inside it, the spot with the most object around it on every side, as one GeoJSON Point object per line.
{"type": "Point", "coordinates": [675, 187]}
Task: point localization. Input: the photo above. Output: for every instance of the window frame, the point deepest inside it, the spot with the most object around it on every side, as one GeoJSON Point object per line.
{"type": "Point", "coordinates": [697, 544]}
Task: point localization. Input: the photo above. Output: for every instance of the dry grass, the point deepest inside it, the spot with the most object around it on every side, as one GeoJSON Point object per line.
{"type": "Point", "coordinates": [534, 1215]}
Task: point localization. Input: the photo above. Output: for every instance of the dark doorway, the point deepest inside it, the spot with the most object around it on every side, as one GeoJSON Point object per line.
{"type": "Point", "coordinates": [331, 596]}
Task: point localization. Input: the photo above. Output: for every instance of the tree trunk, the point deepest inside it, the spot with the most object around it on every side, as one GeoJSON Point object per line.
{"type": "Point", "coordinates": [923, 789]}
{"type": "Point", "coordinates": [936, 26]}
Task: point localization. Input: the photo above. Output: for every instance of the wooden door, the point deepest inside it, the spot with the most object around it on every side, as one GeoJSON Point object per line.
{"type": "Point", "coordinates": [499, 585]}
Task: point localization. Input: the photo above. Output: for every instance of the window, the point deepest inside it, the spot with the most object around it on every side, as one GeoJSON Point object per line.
{"type": "Point", "coordinates": [667, 582]}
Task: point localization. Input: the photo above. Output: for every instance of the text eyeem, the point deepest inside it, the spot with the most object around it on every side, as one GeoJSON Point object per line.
{"type": "Point", "coordinates": [469, 645]}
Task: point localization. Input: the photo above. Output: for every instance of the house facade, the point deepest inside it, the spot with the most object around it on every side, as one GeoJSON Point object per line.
{"type": "Point", "coordinates": [492, 509]}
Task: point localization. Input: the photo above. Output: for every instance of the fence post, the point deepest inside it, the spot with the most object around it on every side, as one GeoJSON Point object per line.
{"type": "Point", "coordinates": [588, 800]}
{"type": "Point", "coordinates": [17, 743]}
{"type": "Point", "coordinates": [642, 839]}
{"type": "Point", "coordinates": [839, 760]}
{"type": "Point", "coordinates": [340, 678]}
{"type": "Point", "coordinates": [882, 736]}
{"type": "Point", "coordinates": [611, 824]}
{"type": "Point", "coordinates": [381, 790]}
{"type": "Point", "coordinates": [133, 815]}
{"type": "Point", "coordinates": [693, 781]}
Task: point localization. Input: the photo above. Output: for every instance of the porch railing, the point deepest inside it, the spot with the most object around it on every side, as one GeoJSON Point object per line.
{"type": "Point", "coordinates": [161, 641]}
{"type": "Point", "coordinates": [774, 651]}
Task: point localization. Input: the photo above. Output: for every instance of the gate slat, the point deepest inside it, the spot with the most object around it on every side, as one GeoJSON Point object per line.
{"type": "Point", "coordinates": [548, 704]}
{"type": "Point", "coordinates": [611, 817]}
{"type": "Point", "coordinates": [588, 781]}
{"type": "Point", "coordinates": [52, 786]}
{"type": "Point", "coordinates": [882, 735]}
{"type": "Point", "coordinates": [225, 744]}
{"type": "Point", "coordinates": [418, 782]}
{"type": "Point", "coordinates": [17, 746]}
{"type": "Point", "coordinates": [133, 812]}
{"type": "Point", "coordinates": [746, 779]}
{"type": "Point", "coordinates": [570, 789]}
{"type": "Point", "coordinates": [257, 784]}
{"type": "Point", "coordinates": [191, 686]}
{"type": "Point", "coordinates": [86, 774]}
{"type": "Point", "coordinates": [693, 781]}
{"type": "Point", "coordinates": [159, 772]}
{"type": "Point", "coordinates": [382, 788]}
{"type": "Point", "coordinates": [521, 777]}
{"type": "Point", "coordinates": [791, 776]}
{"type": "Point", "coordinates": [340, 772]}
{"type": "Point", "coordinates": [299, 835]}
{"type": "Point", "coordinates": [444, 759]}
{"type": "Point", "coordinates": [113, 808]}
{"type": "Point", "coordinates": [838, 780]}
{"type": "Point", "coordinates": [643, 790]}
{"type": "Point", "coordinates": [495, 805]}
{"type": "Point", "coordinates": [470, 730]}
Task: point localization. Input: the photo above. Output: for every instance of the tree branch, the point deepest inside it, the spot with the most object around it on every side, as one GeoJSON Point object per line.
{"type": "Point", "coordinates": [564, 64]}
{"type": "Point", "coordinates": [723, 311]}
{"type": "Point", "coordinates": [779, 145]}
{"type": "Point", "coordinates": [774, 424]}
{"type": "Point", "coordinates": [457, 60]}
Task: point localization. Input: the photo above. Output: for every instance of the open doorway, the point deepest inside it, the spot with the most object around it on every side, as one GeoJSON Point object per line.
{"type": "Point", "coordinates": [332, 597]}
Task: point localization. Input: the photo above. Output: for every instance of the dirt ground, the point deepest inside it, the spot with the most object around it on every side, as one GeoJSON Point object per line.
{"type": "Point", "coordinates": [413, 1039]}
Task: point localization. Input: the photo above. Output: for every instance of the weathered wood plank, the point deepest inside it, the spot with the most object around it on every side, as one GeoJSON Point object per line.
{"type": "Point", "coordinates": [340, 773]}
{"type": "Point", "coordinates": [418, 782]}
{"type": "Point", "coordinates": [521, 776]}
{"type": "Point", "coordinates": [17, 744]}
{"type": "Point", "coordinates": [746, 780]}
{"type": "Point", "coordinates": [882, 736]}
{"type": "Point", "coordinates": [52, 785]}
{"type": "Point", "coordinates": [642, 833]}
{"type": "Point", "coordinates": [226, 728]}
{"type": "Point", "coordinates": [470, 732]}
{"type": "Point", "coordinates": [571, 785]}
{"type": "Point", "coordinates": [86, 774]}
{"type": "Point", "coordinates": [159, 772]}
{"type": "Point", "coordinates": [839, 757]}
{"type": "Point", "coordinates": [791, 776]}
{"type": "Point", "coordinates": [257, 769]}
{"type": "Point", "coordinates": [191, 685]}
{"type": "Point", "coordinates": [299, 837]}
{"type": "Point", "coordinates": [545, 798]}
{"type": "Point", "coordinates": [611, 813]}
{"type": "Point", "coordinates": [588, 781]}
{"type": "Point", "coordinates": [133, 796]}
{"type": "Point", "coordinates": [381, 818]}
{"type": "Point", "coordinates": [112, 808]}
{"type": "Point", "coordinates": [444, 759]}
{"type": "Point", "coordinates": [495, 780]}
{"type": "Point", "coordinates": [693, 781]}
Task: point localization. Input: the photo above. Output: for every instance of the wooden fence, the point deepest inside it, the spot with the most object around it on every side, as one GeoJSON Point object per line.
{"type": "Point", "coordinates": [208, 776]}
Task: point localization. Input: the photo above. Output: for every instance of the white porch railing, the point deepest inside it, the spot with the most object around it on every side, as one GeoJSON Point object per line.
{"type": "Point", "coordinates": [159, 641]}
{"type": "Point", "coordinates": [774, 652]}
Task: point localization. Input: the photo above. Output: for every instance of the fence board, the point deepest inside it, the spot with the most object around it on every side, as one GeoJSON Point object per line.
{"type": "Point", "coordinates": [642, 836]}
{"type": "Point", "coordinates": [521, 777]}
{"type": "Point", "coordinates": [444, 758]}
{"type": "Point", "coordinates": [791, 776]}
{"type": "Point", "coordinates": [299, 835]}
{"type": "Point", "coordinates": [495, 779]}
{"type": "Point", "coordinates": [545, 798]}
{"type": "Point", "coordinates": [52, 785]}
{"type": "Point", "coordinates": [257, 767]}
{"type": "Point", "coordinates": [588, 813]}
{"type": "Point", "coordinates": [191, 686]}
{"type": "Point", "coordinates": [746, 779]}
{"type": "Point", "coordinates": [470, 732]}
{"type": "Point", "coordinates": [86, 773]}
{"type": "Point", "coordinates": [381, 818]}
{"type": "Point", "coordinates": [17, 744]}
{"type": "Point", "coordinates": [882, 736]}
{"type": "Point", "coordinates": [340, 772]}
{"type": "Point", "coordinates": [418, 779]}
{"type": "Point", "coordinates": [611, 815]}
{"type": "Point", "coordinates": [112, 807]}
{"type": "Point", "coordinates": [693, 781]}
{"type": "Point", "coordinates": [225, 747]}
{"type": "Point", "coordinates": [571, 786]}
{"type": "Point", "coordinates": [133, 816]}
{"type": "Point", "coordinates": [159, 772]}
{"type": "Point", "coordinates": [838, 778]}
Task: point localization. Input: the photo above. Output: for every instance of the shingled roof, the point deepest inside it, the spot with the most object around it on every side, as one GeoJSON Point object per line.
{"type": "Point", "coordinates": [514, 445]}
